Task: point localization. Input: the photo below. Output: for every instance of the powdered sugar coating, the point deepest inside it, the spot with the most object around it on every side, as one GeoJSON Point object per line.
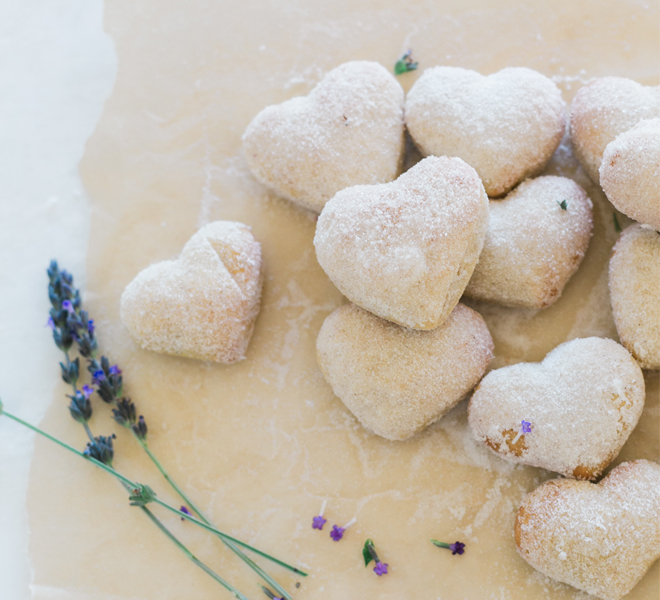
{"type": "Point", "coordinates": [583, 401]}
{"type": "Point", "coordinates": [630, 172]}
{"type": "Point", "coordinates": [406, 250]}
{"type": "Point", "coordinates": [602, 110]}
{"type": "Point", "coordinates": [533, 245]}
{"type": "Point", "coordinates": [395, 380]}
{"type": "Point", "coordinates": [634, 281]}
{"type": "Point", "coordinates": [347, 131]}
{"type": "Point", "coordinates": [598, 538]}
{"type": "Point", "coordinates": [203, 304]}
{"type": "Point", "coordinates": [505, 125]}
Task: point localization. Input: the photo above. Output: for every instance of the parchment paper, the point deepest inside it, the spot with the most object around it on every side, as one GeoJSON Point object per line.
{"type": "Point", "coordinates": [261, 444]}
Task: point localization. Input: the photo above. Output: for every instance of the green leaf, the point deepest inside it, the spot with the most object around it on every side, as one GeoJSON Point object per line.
{"type": "Point", "coordinates": [563, 204]}
{"type": "Point", "coordinates": [366, 552]}
{"type": "Point", "coordinates": [400, 67]}
{"type": "Point", "coordinates": [617, 226]}
{"type": "Point", "coordinates": [142, 495]}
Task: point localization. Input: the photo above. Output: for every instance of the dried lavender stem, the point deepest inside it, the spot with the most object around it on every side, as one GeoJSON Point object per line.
{"type": "Point", "coordinates": [134, 485]}
{"type": "Point", "coordinates": [192, 557]}
{"type": "Point", "coordinates": [265, 576]}
{"type": "Point", "coordinates": [201, 515]}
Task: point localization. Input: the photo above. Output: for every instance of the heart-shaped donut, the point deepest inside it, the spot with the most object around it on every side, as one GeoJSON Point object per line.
{"type": "Point", "coordinates": [505, 125]}
{"type": "Point", "coordinates": [537, 237]}
{"type": "Point", "coordinates": [347, 131]}
{"type": "Point", "coordinates": [395, 380]}
{"type": "Point", "coordinates": [598, 538]}
{"type": "Point", "coordinates": [570, 414]}
{"type": "Point", "coordinates": [405, 250]}
{"type": "Point", "coordinates": [605, 108]}
{"type": "Point", "coordinates": [634, 280]}
{"type": "Point", "coordinates": [203, 304]}
{"type": "Point", "coordinates": [630, 172]}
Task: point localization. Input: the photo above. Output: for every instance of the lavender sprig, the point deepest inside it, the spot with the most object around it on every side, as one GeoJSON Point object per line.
{"type": "Point", "coordinates": [133, 488]}
{"type": "Point", "coordinates": [456, 547]}
{"type": "Point", "coordinates": [131, 484]}
{"type": "Point", "coordinates": [109, 381]}
{"type": "Point", "coordinates": [369, 554]}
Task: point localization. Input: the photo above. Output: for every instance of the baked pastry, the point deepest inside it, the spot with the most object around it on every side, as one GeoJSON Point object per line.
{"type": "Point", "coordinates": [570, 414]}
{"type": "Point", "coordinates": [506, 125]}
{"type": "Point", "coordinates": [598, 538]}
{"type": "Point", "coordinates": [347, 131]}
{"type": "Point", "coordinates": [634, 280]}
{"type": "Point", "coordinates": [395, 380]}
{"type": "Point", "coordinates": [630, 172]}
{"type": "Point", "coordinates": [536, 240]}
{"type": "Point", "coordinates": [602, 110]}
{"type": "Point", "coordinates": [203, 304]}
{"type": "Point", "coordinates": [405, 250]}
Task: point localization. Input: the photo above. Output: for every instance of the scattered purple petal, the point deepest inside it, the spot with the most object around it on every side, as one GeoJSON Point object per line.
{"type": "Point", "coordinates": [337, 533]}
{"type": "Point", "coordinates": [87, 391]}
{"type": "Point", "coordinates": [318, 522]}
{"type": "Point", "coordinates": [526, 426]}
{"type": "Point", "coordinates": [457, 548]}
{"type": "Point", "coordinates": [185, 511]}
{"type": "Point", "coordinates": [380, 569]}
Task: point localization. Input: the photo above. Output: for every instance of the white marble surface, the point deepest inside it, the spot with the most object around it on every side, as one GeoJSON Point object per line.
{"type": "Point", "coordinates": [57, 67]}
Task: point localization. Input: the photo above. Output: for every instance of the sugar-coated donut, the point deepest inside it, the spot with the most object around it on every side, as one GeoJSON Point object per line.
{"type": "Point", "coordinates": [203, 304]}
{"type": "Point", "coordinates": [405, 250]}
{"type": "Point", "coordinates": [630, 172]}
{"type": "Point", "coordinates": [395, 380]}
{"type": "Point", "coordinates": [605, 108]}
{"type": "Point", "coordinates": [506, 125]}
{"type": "Point", "coordinates": [598, 538]}
{"type": "Point", "coordinates": [634, 281]}
{"type": "Point", "coordinates": [537, 237]}
{"type": "Point", "coordinates": [578, 405]}
{"type": "Point", "coordinates": [347, 131]}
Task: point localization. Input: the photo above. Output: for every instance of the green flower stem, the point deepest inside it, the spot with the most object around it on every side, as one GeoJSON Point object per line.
{"type": "Point", "coordinates": [440, 544]}
{"type": "Point", "coordinates": [222, 535]}
{"type": "Point", "coordinates": [231, 545]}
{"type": "Point", "coordinates": [128, 484]}
{"type": "Point", "coordinates": [89, 432]}
{"type": "Point", "coordinates": [191, 556]}
{"type": "Point", "coordinates": [134, 485]}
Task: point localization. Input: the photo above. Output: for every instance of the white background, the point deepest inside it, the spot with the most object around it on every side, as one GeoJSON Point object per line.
{"type": "Point", "coordinates": [57, 67]}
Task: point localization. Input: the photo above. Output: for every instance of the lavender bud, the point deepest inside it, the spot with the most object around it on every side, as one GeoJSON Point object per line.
{"type": "Point", "coordinates": [140, 428]}
{"type": "Point", "coordinates": [101, 449]}
{"type": "Point", "coordinates": [80, 407]}
{"type": "Point", "coordinates": [124, 414]}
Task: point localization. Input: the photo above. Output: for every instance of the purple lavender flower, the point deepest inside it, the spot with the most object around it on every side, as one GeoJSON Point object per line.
{"type": "Point", "coordinates": [526, 426]}
{"type": "Point", "coordinates": [318, 522]}
{"type": "Point", "coordinates": [66, 305]}
{"type": "Point", "coordinates": [90, 327]}
{"type": "Point", "coordinates": [50, 323]}
{"type": "Point", "coordinates": [98, 376]}
{"type": "Point", "coordinates": [115, 370]}
{"type": "Point", "coordinates": [457, 548]}
{"type": "Point", "coordinates": [185, 511]}
{"type": "Point", "coordinates": [87, 391]}
{"type": "Point", "coordinates": [380, 568]}
{"type": "Point", "coordinates": [337, 533]}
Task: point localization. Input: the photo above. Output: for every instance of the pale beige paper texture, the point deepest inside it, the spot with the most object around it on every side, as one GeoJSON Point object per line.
{"type": "Point", "coordinates": [262, 443]}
